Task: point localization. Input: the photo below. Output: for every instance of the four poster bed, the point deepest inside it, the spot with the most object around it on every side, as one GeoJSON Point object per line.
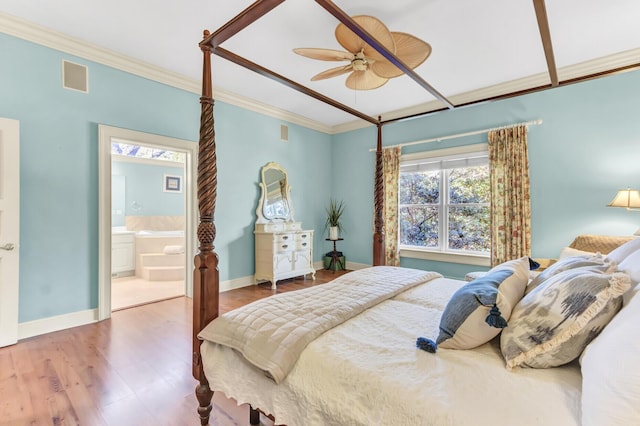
{"type": "Point", "coordinates": [345, 352]}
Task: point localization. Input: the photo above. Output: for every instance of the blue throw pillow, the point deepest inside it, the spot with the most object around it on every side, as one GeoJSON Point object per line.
{"type": "Point", "coordinates": [479, 310]}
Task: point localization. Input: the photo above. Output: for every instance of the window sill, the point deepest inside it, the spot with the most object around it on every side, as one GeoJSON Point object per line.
{"type": "Point", "coordinates": [467, 259]}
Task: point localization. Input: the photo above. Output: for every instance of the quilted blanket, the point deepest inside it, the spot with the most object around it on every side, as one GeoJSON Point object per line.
{"type": "Point", "coordinates": [271, 333]}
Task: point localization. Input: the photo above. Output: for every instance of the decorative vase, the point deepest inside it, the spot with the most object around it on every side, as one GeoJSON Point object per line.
{"type": "Point", "coordinates": [333, 232]}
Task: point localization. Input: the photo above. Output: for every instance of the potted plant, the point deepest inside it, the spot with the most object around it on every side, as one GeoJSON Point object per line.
{"type": "Point", "coordinates": [334, 212]}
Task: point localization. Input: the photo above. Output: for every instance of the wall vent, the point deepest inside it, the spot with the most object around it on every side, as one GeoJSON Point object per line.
{"type": "Point", "coordinates": [284, 133]}
{"type": "Point", "coordinates": [75, 77]}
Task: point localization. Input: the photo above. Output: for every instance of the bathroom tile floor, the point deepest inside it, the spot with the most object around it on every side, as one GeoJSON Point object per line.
{"type": "Point", "coordinates": [132, 291]}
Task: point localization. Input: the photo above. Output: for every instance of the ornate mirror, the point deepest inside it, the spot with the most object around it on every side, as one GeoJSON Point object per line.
{"type": "Point", "coordinates": [275, 204]}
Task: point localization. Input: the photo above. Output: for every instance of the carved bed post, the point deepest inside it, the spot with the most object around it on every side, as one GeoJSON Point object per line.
{"type": "Point", "coordinates": [378, 194]}
{"type": "Point", "coordinates": [205, 274]}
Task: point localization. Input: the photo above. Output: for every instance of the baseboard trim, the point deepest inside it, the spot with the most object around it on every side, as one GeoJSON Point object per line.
{"type": "Point", "coordinates": [236, 283]}
{"type": "Point", "coordinates": [75, 319]}
{"type": "Point", "coordinates": [355, 266]}
{"type": "Point", "coordinates": [352, 266]}
{"type": "Point", "coordinates": [56, 323]}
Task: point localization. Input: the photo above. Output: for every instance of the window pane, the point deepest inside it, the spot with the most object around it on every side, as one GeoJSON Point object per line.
{"type": "Point", "coordinates": [469, 229]}
{"type": "Point", "coordinates": [131, 150]}
{"type": "Point", "coordinates": [469, 185]}
{"type": "Point", "coordinates": [419, 188]}
{"type": "Point", "coordinates": [419, 226]}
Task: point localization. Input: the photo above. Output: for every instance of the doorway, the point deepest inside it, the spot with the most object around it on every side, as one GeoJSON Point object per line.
{"type": "Point", "coordinates": [148, 262]}
{"type": "Point", "coordinates": [9, 229]}
{"type": "Point", "coordinates": [141, 242]}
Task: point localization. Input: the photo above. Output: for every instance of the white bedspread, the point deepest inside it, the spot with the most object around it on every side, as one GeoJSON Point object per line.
{"type": "Point", "coordinates": [368, 371]}
{"type": "Point", "coordinates": [271, 333]}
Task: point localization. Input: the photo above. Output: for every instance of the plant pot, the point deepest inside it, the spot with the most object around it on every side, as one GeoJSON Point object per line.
{"type": "Point", "coordinates": [333, 233]}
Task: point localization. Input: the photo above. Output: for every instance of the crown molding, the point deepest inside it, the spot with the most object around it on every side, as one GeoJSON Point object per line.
{"type": "Point", "coordinates": [38, 34]}
{"type": "Point", "coordinates": [262, 108]}
{"type": "Point", "coordinates": [591, 67]}
{"type": "Point", "coordinates": [44, 36]}
{"type": "Point", "coordinates": [26, 30]}
{"type": "Point", "coordinates": [599, 65]}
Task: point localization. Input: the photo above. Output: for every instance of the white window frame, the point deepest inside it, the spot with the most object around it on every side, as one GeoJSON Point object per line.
{"type": "Point", "coordinates": [440, 254]}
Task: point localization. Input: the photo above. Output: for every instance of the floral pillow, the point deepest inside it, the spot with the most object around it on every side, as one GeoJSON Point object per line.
{"type": "Point", "coordinates": [553, 324]}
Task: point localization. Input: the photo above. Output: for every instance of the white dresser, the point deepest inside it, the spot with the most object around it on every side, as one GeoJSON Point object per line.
{"type": "Point", "coordinates": [283, 252]}
{"type": "Point", "coordinates": [283, 249]}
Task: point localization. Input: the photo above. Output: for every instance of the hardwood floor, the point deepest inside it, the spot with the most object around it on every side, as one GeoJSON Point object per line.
{"type": "Point", "coordinates": [133, 369]}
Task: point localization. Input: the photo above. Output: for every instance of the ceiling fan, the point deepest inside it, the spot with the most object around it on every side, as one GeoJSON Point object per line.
{"type": "Point", "coordinates": [368, 68]}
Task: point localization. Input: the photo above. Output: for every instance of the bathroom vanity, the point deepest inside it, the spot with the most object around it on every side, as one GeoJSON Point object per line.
{"type": "Point", "coordinates": [123, 252]}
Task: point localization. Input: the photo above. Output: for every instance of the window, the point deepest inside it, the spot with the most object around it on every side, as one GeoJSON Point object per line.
{"type": "Point", "coordinates": [444, 201]}
{"type": "Point", "coordinates": [128, 149]}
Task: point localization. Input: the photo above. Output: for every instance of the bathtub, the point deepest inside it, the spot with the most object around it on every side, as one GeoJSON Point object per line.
{"type": "Point", "coordinates": [154, 234]}
{"type": "Point", "coordinates": [160, 255]}
{"type": "Point", "coordinates": [156, 241]}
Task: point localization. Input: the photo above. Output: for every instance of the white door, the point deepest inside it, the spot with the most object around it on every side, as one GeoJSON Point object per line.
{"type": "Point", "coordinates": [9, 229]}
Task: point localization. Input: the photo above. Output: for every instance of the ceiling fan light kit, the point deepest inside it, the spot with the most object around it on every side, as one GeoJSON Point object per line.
{"type": "Point", "coordinates": [367, 67]}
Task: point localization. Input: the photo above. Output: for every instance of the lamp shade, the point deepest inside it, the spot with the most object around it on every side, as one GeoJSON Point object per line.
{"type": "Point", "coordinates": [627, 198]}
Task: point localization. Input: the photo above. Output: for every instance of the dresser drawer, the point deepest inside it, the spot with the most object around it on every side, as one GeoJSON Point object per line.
{"type": "Point", "coordinates": [303, 236]}
{"type": "Point", "coordinates": [285, 238]}
{"type": "Point", "coordinates": [303, 245]}
{"type": "Point", "coordinates": [284, 242]}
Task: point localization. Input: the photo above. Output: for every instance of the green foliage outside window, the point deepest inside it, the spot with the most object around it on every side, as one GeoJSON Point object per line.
{"type": "Point", "coordinates": [465, 209]}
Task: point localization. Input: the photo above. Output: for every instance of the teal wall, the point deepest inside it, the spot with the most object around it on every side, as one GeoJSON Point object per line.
{"type": "Point", "coordinates": [143, 189]}
{"type": "Point", "coordinates": [59, 169]}
{"type": "Point", "coordinates": [587, 148]}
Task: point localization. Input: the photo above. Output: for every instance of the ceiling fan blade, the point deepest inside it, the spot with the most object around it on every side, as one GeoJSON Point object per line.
{"type": "Point", "coordinates": [324, 54]}
{"type": "Point", "coordinates": [333, 72]}
{"type": "Point", "coordinates": [364, 80]}
{"type": "Point", "coordinates": [354, 44]}
{"type": "Point", "coordinates": [409, 49]}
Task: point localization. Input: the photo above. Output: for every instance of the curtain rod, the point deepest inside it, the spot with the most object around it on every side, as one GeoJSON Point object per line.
{"type": "Point", "coordinates": [462, 135]}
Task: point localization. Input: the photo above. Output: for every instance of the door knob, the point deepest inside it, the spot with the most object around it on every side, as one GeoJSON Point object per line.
{"type": "Point", "coordinates": [8, 247]}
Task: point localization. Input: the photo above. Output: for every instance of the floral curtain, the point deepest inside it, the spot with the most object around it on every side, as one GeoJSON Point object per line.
{"type": "Point", "coordinates": [510, 194]}
{"type": "Point", "coordinates": [391, 172]}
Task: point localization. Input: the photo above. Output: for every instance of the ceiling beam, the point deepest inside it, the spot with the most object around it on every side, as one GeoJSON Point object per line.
{"type": "Point", "coordinates": [239, 60]}
{"type": "Point", "coordinates": [545, 34]}
{"type": "Point", "coordinates": [330, 7]}
{"type": "Point", "coordinates": [245, 18]}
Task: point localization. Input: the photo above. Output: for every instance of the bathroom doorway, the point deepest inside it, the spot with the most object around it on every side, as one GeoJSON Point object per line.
{"type": "Point", "coordinates": [147, 218]}
{"type": "Point", "coordinates": [148, 262]}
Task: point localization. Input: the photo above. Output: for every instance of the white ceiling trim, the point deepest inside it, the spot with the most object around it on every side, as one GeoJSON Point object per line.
{"type": "Point", "coordinates": [618, 60]}
{"type": "Point", "coordinates": [35, 33]}
{"type": "Point", "coordinates": [38, 34]}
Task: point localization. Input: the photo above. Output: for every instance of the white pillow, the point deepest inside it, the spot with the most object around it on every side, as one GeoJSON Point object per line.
{"type": "Point", "coordinates": [611, 371]}
{"type": "Point", "coordinates": [622, 252]}
{"type": "Point", "coordinates": [631, 266]}
{"type": "Point", "coordinates": [569, 251]}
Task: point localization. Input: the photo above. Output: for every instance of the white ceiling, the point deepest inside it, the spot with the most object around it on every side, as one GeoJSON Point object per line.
{"type": "Point", "coordinates": [480, 48]}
